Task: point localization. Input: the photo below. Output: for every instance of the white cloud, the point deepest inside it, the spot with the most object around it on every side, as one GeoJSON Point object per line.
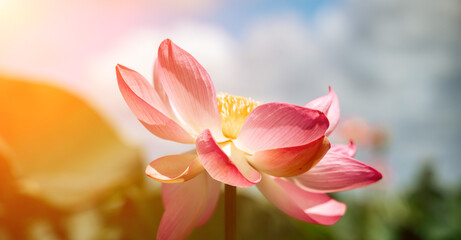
{"type": "Point", "coordinates": [400, 56]}
{"type": "Point", "coordinates": [280, 60]}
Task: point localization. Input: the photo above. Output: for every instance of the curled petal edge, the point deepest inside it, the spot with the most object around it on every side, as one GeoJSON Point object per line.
{"type": "Point", "coordinates": [175, 168]}
{"type": "Point", "coordinates": [221, 167]}
{"type": "Point", "coordinates": [291, 161]}
{"type": "Point", "coordinates": [328, 104]}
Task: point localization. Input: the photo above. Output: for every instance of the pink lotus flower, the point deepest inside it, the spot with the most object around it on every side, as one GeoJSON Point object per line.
{"type": "Point", "coordinates": [239, 142]}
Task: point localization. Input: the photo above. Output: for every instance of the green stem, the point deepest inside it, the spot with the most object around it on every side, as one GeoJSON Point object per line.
{"type": "Point", "coordinates": [230, 202]}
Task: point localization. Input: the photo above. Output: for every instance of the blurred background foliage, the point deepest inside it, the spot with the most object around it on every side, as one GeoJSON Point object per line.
{"type": "Point", "coordinates": [72, 155]}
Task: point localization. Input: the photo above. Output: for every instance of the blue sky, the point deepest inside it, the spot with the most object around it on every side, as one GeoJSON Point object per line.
{"type": "Point", "coordinates": [234, 16]}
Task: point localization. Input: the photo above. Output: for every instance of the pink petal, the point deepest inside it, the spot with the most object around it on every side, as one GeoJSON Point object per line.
{"type": "Point", "coordinates": [189, 89]}
{"type": "Point", "coordinates": [234, 171]}
{"type": "Point", "coordinates": [212, 200]}
{"type": "Point", "coordinates": [159, 89]}
{"type": "Point", "coordinates": [300, 204]}
{"type": "Point", "coordinates": [147, 106]}
{"type": "Point", "coordinates": [329, 105]}
{"type": "Point", "coordinates": [348, 150]}
{"type": "Point", "coordinates": [291, 161]}
{"type": "Point", "coordinates": [280, 125]}
{"type": "Point", "coordinates": [175, 168]}
{"type": "Point", "coordinates": [187, 205]}
{"type": "Point", "coordinates": [337, 172]}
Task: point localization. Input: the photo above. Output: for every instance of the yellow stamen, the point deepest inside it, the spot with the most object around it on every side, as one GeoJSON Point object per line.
{"type": "Point", "coordinates": [234, 110]}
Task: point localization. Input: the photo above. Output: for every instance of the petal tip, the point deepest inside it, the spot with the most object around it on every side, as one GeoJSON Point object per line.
{"type": "Point", "coordinates": [352, 148]}
{"type": "Point", "coordinates": [330, 90]}
{"type": "Point", "coordinates": [335, 210]}
{"type": "Point", "coordinates": [167, 41]}
{"type": "Point", "coordinates": [122, 71]}
{"type": "Point", "coordinates": [378, 176]}
{"type": "Point", "coordinates": [375, 175]}
{"type": "Point", "coordinates": [119, 67]}
{"type": "Point", "coordinates": [166, 45]}
{"type": "Point", "coordinates": [341, 210]}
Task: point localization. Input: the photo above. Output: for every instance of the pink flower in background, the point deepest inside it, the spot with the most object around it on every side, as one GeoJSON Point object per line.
{"type": "Point", "coordinates": [279, 147]}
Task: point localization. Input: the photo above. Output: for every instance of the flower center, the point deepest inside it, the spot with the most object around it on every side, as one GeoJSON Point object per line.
{"type": "Point", "coordinates": [234, 110]}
